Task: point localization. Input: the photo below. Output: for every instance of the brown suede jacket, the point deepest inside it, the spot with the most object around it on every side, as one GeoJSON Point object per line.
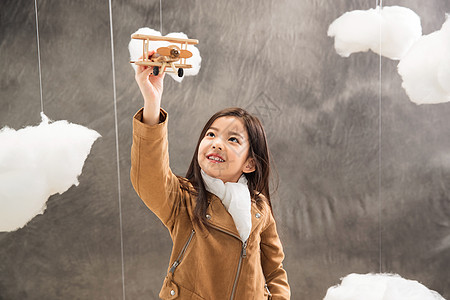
{"type": "Point", "coordinates": [205, 264]}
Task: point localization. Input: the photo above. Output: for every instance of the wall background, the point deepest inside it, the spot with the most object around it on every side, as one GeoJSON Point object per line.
{"type": "Point", "coordinates": [321, 113]}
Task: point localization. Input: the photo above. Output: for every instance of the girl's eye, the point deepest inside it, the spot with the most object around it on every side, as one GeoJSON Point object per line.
{"type": "Point", "coordinates": [233, 139]}
{"type": "Point", "coordinates": [210, 134]}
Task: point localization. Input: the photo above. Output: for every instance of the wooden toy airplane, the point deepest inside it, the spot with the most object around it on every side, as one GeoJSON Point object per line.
{"type": "Point", "coordinates": [165, 58]}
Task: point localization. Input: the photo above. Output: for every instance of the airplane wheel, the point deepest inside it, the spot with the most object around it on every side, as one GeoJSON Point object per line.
{"type": "Point", "coordinates": [180, 72]}
{"type": "Point", "coordinates": [155, 71]}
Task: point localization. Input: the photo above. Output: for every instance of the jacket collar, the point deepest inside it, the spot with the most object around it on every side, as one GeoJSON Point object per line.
{"type": "Point", "coordinates": [222, 220]}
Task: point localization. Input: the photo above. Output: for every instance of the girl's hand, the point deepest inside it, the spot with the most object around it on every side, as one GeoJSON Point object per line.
{"type": "Point", "coordinates": [151, 87]}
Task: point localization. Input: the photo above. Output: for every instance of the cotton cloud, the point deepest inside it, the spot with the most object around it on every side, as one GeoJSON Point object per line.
{"type": "Point", "coordinates": [359, 31]}
{"type": "Point", "coordinates": [380, 287]}
{"type": "Point", "coordinates": [425, 69]}
{"type": "Point", "coordinates": [135, 48]}
{"type": "Point", "coordinates": [37, 162]}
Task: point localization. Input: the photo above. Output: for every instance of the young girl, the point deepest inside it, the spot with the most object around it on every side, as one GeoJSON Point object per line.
{"type": "Point", "coordinates": [225, 242]}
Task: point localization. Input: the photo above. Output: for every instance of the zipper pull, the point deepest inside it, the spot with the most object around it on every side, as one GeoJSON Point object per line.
{"type": "Point", "coordinates": [244, 249]}
{"type": "Point", "coordinates": [174, 266]}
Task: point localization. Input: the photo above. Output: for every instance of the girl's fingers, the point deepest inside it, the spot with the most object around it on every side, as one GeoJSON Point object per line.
{"type": "Point", "coordinates": [149, 54]}
{"type": "Point", "coordinates": [144, 74]}
{"type": "Point", "coordinates": [147, 72]}
{"type": "Point", "coordinates": [157, 79]}
{"type": "Point", "coordinates": [141, 69]}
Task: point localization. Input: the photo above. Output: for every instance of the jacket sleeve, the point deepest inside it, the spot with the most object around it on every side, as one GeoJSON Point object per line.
{"type": "Point", "coordinates": [271, 259]}
{"type": "Point", "coordinates": [150, 173]}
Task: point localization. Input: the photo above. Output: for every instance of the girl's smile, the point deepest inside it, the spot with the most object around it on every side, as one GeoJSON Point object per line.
{"type": "Point", "coordinates": [223, 151]}
{"type": "Point", "coordinates": [215, 158]}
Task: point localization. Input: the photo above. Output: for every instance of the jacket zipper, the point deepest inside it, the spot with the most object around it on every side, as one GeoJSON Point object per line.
{"type": "Point", "coordinates": [177, 262]}
{"type": "Point", "coordinates": [243, 254]}
{"type": "Point", "coordinates": [269, 294]}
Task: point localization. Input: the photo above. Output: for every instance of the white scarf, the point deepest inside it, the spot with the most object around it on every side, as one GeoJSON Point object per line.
{"type": "Point", "coordinates": [235, 196]}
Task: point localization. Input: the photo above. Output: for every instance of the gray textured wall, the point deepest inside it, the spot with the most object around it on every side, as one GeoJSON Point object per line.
{"type": "Point", "coordinates": [321, 113]}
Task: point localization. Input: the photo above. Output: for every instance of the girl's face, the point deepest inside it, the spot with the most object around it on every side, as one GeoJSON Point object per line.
{"type": "Point", "coordinates": [223, 151]}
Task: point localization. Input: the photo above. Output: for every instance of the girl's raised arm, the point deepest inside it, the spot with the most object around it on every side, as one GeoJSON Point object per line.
{"type": "Point", "coordinates": [151, 88]}
{"type": "Point", "coordinates": [150, 172]}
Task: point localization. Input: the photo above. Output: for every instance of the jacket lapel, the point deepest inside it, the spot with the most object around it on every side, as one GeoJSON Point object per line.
{"type": "Point", "coordinates": [219, 217]}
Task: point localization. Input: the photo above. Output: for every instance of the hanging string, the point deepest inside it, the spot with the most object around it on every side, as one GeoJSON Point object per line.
{"type": "Point", "coordinates": [39, 54]}
{"type": "Point", "coordinates": [160, 17]}
{"type": "Point", "coordinates": [380, 226]}
{"type": "Point", "coordinates": [378, 3]}
{"type": "Point", "coordinates": [117, 147]}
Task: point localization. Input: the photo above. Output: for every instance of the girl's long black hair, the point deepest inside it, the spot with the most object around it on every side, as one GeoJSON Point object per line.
{"type": "Point", "coordinates": [258, 180]}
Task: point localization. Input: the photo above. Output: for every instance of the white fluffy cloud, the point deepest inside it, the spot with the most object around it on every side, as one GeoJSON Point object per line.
{"type": "Point", "coordinates": [380, 287]}
{"type": "Point", "coordinates": [37, 162]}
{"type": "Point", "coordinates": [425, 69]}
{"type": "Point", "coordinates": [359, 31]}
{"type": "Point", "coordinates": [135, 48]}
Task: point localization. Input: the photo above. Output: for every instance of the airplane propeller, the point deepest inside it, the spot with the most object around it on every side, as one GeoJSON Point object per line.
{"type": "Point", "coordinates": [174, 51]}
